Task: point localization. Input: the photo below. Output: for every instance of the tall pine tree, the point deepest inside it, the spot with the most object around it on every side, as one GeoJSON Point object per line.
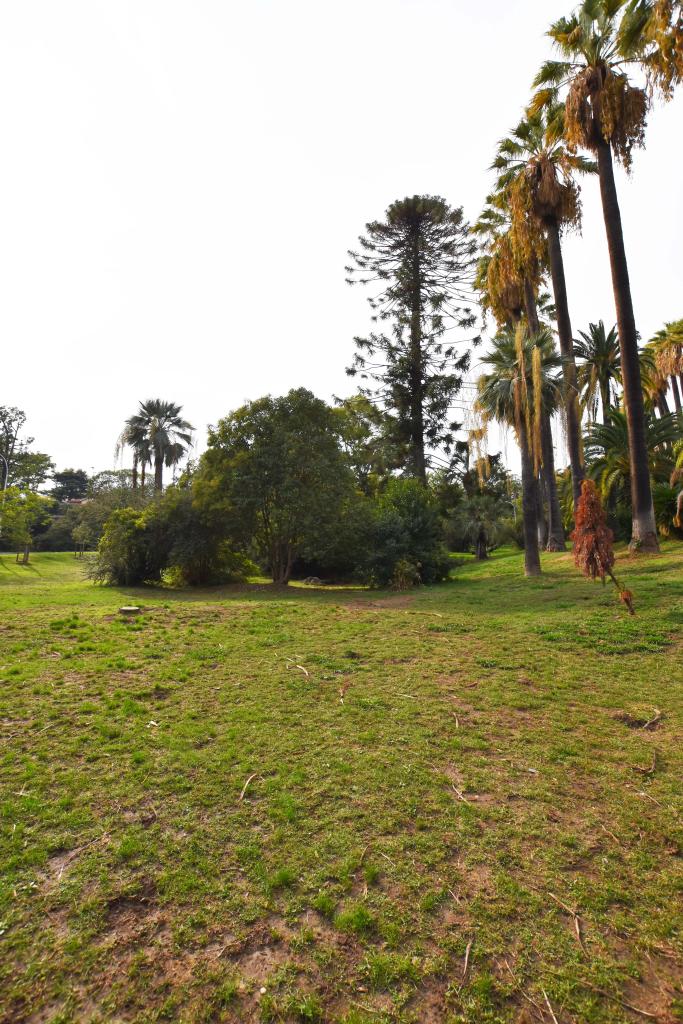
{"type": "Point", "coordinates": [422, 257]}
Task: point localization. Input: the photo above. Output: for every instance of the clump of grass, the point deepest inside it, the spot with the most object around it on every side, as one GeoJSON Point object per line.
{"type": "Point", "coordinates": [324, 904]}
{"type": "Point", "coordinates": [383, 970]}
{"type": "Point", "coordinates": [356, 919]}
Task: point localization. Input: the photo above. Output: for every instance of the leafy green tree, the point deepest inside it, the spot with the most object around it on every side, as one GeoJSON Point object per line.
{"type": "Point", "coordinates": [605, 114]}
{"type": "Point", "coordinates": [365, 432]}
{"type": "Point", "coordinates": [70, 484]}
{"type": "Point", "coordinates": [599, 371]}
{"type": "Point", "coordinates": [420, 261]}
{"type": "Point", "coordinates": [23, 515]}
{"type": "Point", "coordinates": [20, 466]}
{"type": "Point", "coordinates": [275, 470]}
{"type": "Point", "coordinates": [157, 434]}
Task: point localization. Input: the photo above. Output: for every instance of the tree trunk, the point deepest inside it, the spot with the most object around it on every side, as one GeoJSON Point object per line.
{"type": "Point", "coordinates": [677, 397]}
{"type": "Point", "coordinates": [135, 472]}
{"type": "Point", "coordinates": [532, 560]}
{"type": "Point", "coordinates": [555, 538]}
{"type": "Point", "coordinates": [541, 521]}
{"type": "Point", "coordinates": [644, 530]}
{"type": "Point", "coordinates": [564, 330]}
{"type": "Point", "coordinates": [158, 473]}
{"type": "Point", "coordinates": [27, 552]}
{"type": "Point", "coordinates": [480, 552]}
{"type": "Point", "coordinates": [550, 535]}
{"type": "Point", "coordinates": [416, 411]}
{"type": "Point", "coordinates": [604, 401]}
{"type": "Point", "coordinates": [663, 406]}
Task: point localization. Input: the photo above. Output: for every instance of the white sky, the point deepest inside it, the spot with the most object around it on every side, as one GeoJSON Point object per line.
{"type": "Point", "coordinates": [181, 180]}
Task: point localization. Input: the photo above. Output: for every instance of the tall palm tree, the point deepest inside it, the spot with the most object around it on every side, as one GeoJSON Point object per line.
{"type": "Point", "coordinates": [158, 434]}
{"type": "Point", "coordinates": [520, 386]}
{"type": "Point", "coordinates": [509, 281]}
{"type": "Point", "coordinates": [599, 371]}
{"type": "Point", "coordinates": [605, 114]}
{"type": "Point", "coordinates": [538, 169]}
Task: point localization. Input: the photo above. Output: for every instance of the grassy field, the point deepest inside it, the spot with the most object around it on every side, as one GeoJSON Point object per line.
{"type": "Point", "coordinates": [250, 804]}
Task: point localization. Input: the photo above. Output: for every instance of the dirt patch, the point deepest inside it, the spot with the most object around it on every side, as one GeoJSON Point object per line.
{"type": "Point", "coordinates": [650, 723]}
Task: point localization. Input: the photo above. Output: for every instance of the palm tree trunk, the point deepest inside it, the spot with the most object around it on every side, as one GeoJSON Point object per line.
{"type": "Point", "coordinates": [663, 406]}
{"type": "Point", "coordinates": [135, 472]}
{"type": "Point", "coordinates": [555, 539]}
{"type": "Point", "coordinates": [644, 531]}
{"type": "Point", "coordinates": [677, 396]}
{"type": "Point", "coordinates": [564, 330]}
{"type": "Point", "coordinates": [532, 559]}
{"type": "Point", "coordinates": [158, 472]}
{"type": "Point", "coordinates": [553, 536]}
{"type": "Point", "coordinates": [604, 401]}
{"type": "Point", "coordinates": [541, 521]}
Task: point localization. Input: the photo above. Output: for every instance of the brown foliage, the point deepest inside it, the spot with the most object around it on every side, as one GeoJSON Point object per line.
{"type": "Point", "coordinates": [594, 541]}
{"type": "Point", "coordinates": [603, 105]}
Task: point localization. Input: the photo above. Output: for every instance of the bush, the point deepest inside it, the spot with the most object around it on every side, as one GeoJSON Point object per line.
{"type": "Point", "coordinates": [406, 537]}
{"type": "Point", "coordinates": [171, 540]}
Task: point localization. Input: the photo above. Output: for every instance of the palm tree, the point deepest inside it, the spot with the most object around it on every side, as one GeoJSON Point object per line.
{"type": "Point", "coordinates": [605, 114]}
{"type": "Point", "coordinates": [655, 383]}
{"type": "Point", "coordinates": [607, 450]}
{"type": "Point", "coordinates": [538, 170]}
{"type": "Point", "coordinates": [478, 521]}
{"type": "Point", "coordinates": [667, 350]}
{"type": "Point", "coordinates": [135, 437]}
{"type": "Point", "coordinates": [157, 433]}
{"type": "Point", "coordinates": [519, 389]}
{"type": "Point", "coordinates": [509, 282]}
{"type": "Point", "coordinates": [600, 369]}
{"type": "Point", "coordinates": [655, 28]}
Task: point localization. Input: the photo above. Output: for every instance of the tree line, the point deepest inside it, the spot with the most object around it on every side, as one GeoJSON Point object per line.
{"type": "Point", "coordinates": [285, 479]}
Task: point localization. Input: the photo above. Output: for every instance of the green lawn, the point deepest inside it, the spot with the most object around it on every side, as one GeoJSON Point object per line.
{"type": "Point", "coordinates": [342, 806]}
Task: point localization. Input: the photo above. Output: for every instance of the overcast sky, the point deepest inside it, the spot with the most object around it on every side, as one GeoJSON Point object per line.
{"type": "Point", "coordinates": [181, 180]}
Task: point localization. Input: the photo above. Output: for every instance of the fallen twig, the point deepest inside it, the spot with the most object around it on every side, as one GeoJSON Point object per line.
{"type": "Point", "coordinates": [575, 917]}
{"type": "Point", "coordinates": [79, 849]}
{"type": "Point", "coordinates": [653, 721]}
{"type": "Point", "coordinates": [537, 1006]}
{"type": "Point", "coordinates": [647, 771]}
{"type": "Point", "coordinates": [460, 795]}
{"type": "Point", "coordinates": [244, 787]}
{"type": "Point", "coordinates": [547, 1003]}
{"type": "Point", "coordinates": [467, 959]}
{"type": "Point", "coordinates": [622, 1002]}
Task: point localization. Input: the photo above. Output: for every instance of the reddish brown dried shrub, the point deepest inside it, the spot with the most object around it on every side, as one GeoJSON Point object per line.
{"type": "Point", "coordinates": [594, 542]}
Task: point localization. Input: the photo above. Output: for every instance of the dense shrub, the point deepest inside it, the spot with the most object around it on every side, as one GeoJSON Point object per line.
{"type": "Point", "coordinates": [406, 529]}
{"type": "Point", "coordinates": [170, 539]}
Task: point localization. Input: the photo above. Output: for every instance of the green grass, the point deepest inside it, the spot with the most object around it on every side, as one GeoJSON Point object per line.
{"type": "Point", "coordinates": [434, 780]}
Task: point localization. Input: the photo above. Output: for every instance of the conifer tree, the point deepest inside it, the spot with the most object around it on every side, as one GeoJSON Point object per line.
{"type": "Point", "coordinates": [422, 259]}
